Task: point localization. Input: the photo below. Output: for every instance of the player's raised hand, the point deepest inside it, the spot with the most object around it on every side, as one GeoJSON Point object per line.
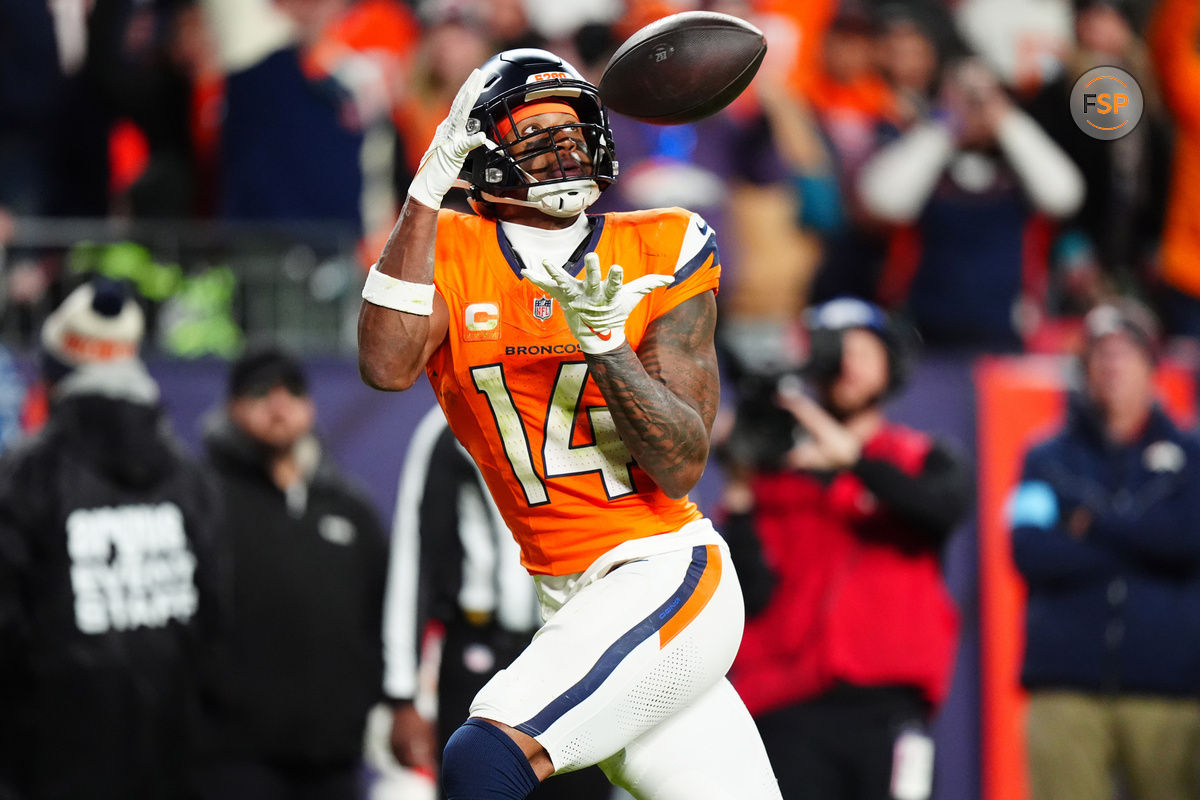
{"type": "Point", "coordinates": [595, 308]}
{"type": "Point", "coordinates": [451, 143]}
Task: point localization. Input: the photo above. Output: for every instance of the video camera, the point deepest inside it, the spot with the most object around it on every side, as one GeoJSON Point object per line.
{"type": "Point", "coordinates": [762, 432]}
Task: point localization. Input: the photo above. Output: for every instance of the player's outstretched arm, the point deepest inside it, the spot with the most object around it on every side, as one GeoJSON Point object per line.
{"type": "Point", "coordinates": [663, 398]}
{"type": "Point", "coordinates": [394, 345]}
{"type": "Point", "coordinates": [402, 319]}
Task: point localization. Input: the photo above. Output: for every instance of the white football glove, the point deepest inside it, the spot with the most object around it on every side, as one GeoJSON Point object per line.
{"type": "Point", "coordinates": [449, 148]}
{"type": "Point", "coordinates": [595, 310]}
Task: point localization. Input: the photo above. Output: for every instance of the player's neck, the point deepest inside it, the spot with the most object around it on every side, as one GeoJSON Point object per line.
{"type": "Point", "coordinates": [533, 245]}
{"type": "Point", "coordinates": [532, 217]}
{"type": "Point", "coordinates": [578, 226]}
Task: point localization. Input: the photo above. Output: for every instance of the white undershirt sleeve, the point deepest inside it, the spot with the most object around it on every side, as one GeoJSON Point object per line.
{"type": "Point", "coordinates": [896, 182]}
{"type": "Point", "coordinates": [1049, 177]}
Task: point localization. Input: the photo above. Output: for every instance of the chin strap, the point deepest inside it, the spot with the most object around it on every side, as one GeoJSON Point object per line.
{"type": "Point", "coordinates": [566, 199]}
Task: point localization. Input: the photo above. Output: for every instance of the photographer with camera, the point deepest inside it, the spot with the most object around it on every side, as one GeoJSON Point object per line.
{"type": "Point", "coordinates": [837, 517]}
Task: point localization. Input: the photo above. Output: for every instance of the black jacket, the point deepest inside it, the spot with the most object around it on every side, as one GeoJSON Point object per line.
{"type": "Point", "coordinates": [301, 659]}
{"type": "Point", "coordinates": [105, 576]}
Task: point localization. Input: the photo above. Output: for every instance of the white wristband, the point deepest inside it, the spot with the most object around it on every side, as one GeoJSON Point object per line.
{"type": "Point", "coordinates": [384, 290]}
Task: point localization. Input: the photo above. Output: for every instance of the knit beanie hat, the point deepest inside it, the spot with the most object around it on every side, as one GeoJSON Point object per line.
{"type": "Point", "coordinates": [99, 322]}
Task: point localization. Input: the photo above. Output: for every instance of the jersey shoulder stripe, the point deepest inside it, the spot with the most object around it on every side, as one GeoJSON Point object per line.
{"type": "Point", "coordinates": [698, 247]}
{"type": "Point", "coordinates": [679, 242]}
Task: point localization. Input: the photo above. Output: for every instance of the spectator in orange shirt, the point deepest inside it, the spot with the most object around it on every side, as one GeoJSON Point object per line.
{"type": "Point", "coordinates": [1173, 34]}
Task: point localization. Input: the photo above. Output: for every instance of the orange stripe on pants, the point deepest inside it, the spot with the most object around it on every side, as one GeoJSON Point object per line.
{"type": "Point", "coordinates": [699, 599]}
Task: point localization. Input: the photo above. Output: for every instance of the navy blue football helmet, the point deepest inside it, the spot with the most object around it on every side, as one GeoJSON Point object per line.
{"type": "Point", "coordinates": [493, 172]}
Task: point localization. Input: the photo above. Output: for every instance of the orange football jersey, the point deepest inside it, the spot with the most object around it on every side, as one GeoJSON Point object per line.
{"type": "Point", "coordinates": [515, 388]}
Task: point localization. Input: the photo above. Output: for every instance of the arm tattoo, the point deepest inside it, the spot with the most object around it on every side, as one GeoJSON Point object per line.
{"type": "Point", "coordinates": [664, 397]}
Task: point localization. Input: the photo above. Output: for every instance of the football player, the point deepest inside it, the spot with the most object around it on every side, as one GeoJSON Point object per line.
{"type": "Point", "coordinates": [573, 357]}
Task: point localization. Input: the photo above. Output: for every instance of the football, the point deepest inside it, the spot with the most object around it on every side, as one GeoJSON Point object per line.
{"type": "Point", "coordinates": [682, 68]}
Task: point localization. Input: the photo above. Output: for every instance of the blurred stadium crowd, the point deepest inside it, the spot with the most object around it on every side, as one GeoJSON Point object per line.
{"type": "Point", "coordinates": [915, 153]}
{"type": "Point", "coordinates": [239, 163]}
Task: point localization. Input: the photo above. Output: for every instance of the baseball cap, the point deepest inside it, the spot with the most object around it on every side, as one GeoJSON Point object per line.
{"type": "Point", "coordinates": [827, 322]}
{"type": "Point", "coordinates": [1122, 317]}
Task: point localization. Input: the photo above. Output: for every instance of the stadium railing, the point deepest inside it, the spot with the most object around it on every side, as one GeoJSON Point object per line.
{"type": "Point", "coordinates": [208, 287]}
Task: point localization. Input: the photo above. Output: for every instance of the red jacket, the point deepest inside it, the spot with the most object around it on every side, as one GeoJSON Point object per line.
{"type": "Point", "coordinates": [859, 596]}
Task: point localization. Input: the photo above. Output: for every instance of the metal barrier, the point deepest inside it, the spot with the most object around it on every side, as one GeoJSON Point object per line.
{"type": "Point", "coordinates": [208, 287]}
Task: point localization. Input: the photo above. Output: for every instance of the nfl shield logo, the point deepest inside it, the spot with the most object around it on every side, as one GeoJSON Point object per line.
{"type": "Point", "coordinates": [543, 307]}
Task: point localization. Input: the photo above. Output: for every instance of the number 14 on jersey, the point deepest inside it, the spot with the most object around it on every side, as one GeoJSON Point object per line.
{"type": "Point", "coordinates": [607, 455]}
